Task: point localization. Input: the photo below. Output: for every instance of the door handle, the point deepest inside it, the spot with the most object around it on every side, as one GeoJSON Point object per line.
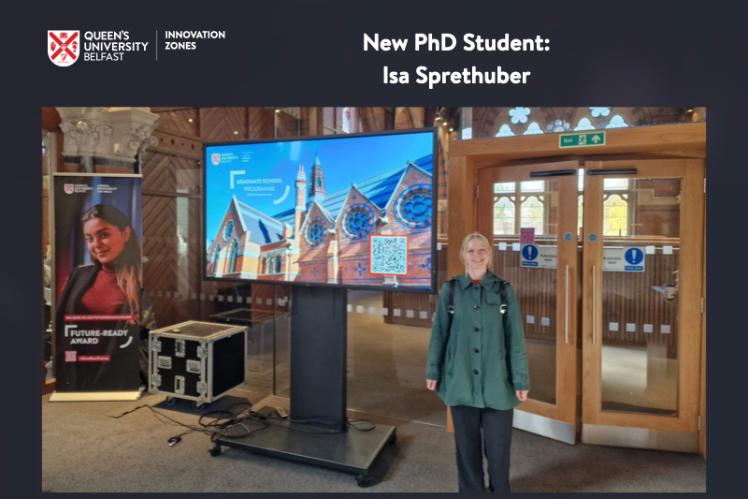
{"type": "Point", "coordinates": [594, 303]}
{"type": "Point", "coordinates": [566, 305]}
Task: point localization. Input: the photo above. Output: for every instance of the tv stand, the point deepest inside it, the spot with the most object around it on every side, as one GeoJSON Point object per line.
{"type": "Point", "coordinates": [317, 431]}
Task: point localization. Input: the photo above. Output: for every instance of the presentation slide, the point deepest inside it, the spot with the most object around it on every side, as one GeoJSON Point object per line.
{"type": "Point", "coordinates": [354, 210]}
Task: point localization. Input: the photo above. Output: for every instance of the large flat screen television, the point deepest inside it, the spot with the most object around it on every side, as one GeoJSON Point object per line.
{"type": "Point", "coordinates": [346, 210]}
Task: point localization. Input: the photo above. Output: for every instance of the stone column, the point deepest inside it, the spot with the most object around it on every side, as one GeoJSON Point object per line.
{"type": "Point", "coordinates": [105, 139]}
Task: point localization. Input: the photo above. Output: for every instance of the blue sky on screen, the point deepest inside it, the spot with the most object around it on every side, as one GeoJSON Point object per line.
{"type": "Point", "coordinates": [270, 168]}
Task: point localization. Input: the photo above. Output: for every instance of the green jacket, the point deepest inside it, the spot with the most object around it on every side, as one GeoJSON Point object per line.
{"type": "Point", "coordinates": [477, 363]}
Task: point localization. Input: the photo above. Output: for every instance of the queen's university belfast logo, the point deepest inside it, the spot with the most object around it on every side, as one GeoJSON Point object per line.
{"type": "Point", "coordinates": [63, 47]}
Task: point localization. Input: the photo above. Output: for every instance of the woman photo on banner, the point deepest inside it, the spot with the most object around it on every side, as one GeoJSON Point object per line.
{"type": "Point", "coordinates": [477, 364]}
{"type": "Point", "coordinates": [111, 284]}
{"type": "Point", "coordinates": [98, 309]}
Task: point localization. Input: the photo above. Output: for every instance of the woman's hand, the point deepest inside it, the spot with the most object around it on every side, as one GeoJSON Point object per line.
{"type": "Point", "coordinates": [521, 395]}
{"type": "Point", "coordinates": [431, 384]}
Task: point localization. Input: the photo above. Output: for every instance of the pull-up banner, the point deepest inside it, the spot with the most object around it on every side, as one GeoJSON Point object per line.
{"type": "Point", "coordinates": [97, 224]}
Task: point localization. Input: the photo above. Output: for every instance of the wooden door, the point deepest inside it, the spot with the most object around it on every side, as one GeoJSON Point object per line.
{"type": "Point", "coordinates": [642, 302]}
{"type": "Point", "coordinates": [539, 201]}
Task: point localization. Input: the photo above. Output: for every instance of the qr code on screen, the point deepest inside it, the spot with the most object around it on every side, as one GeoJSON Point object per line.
{"type": "Point", "coordinates": [389, 255]}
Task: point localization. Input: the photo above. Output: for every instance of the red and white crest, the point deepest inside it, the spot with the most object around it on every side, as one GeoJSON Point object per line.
{"type": "Point", "coordinates": [69, 188]}
{"type": "Point", "coordinates": [215, 158]}
{"type": "Point", "coordinates": [63, 47]}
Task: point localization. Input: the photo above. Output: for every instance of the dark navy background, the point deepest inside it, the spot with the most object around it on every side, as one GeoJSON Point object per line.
{"type": "Point", "coordinates": [648, 53]}
{"type": "Point", "coordinates": [311, 52]}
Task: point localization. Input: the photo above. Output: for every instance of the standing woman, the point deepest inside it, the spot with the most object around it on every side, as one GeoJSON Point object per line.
{"type": "Point", "coordinates": [477, 364]}
{"type": "Point", "coordinates": [111, 285]}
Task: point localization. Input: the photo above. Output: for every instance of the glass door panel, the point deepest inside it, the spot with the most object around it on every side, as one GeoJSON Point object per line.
{"type": "Point", "coordinates": [643, 240]}
{"type": "Point", "coordinates": [530, 212]}
{"type": "Point", "coordinates": [641, 243]}
{"type": "Point", "coordinates": [531, 206]}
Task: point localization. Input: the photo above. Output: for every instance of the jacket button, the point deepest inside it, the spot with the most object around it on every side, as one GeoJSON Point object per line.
{"type": "Point", "coordinates": [475, 371]}
{"type": "Point", "coordinates": [476, 350]}
{"type": "Point", "coordinates": [476, 307]}
{"type": "Point", "coordinates": [476, 329]}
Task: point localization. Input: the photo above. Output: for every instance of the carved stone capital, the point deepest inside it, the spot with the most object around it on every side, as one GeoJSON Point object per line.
{"type": "Point", "coordinates": [111, 133]}
{"type": "Point", "coordinates": [83, 136]}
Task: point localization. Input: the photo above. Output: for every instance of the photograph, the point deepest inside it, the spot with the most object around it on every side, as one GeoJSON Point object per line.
{"type": "Point", "coordinates": [328, 299]}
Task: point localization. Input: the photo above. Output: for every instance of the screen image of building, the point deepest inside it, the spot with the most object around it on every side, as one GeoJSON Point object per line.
{"type": "Point", "coordinates": [326, 238]}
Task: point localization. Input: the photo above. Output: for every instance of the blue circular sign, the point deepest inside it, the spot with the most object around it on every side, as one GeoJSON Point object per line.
{"type": "Point", "coordinates": [567, 236]}
{"type": "Point", "coordinates": [634, 256]}
{"type": "Point", "coordinates": [593, 237]}
{"type": "Point", "coordinates": [530, 252]}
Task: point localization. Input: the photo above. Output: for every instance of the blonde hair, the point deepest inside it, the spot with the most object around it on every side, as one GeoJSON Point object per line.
{"type": "Point", "coordinates": [480, 237]}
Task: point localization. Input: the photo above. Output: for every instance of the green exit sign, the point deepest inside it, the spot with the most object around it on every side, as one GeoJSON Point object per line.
{"type": "Point", "coordinates": [587, 139]}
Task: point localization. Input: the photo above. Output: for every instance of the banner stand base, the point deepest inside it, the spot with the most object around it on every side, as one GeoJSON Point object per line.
{"type": "Point", "coordinates": [95, 396]}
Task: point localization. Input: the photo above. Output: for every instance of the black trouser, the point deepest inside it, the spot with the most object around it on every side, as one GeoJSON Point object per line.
{"type": "Point", "coordinates": [495, 442]}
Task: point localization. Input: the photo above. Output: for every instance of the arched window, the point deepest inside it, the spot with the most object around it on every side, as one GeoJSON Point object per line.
{"type": "Point", "coordinates": [616, 207]}
{"type": "Point", "coordinates": [615, 215]}
{"type": "Point", "coordinates": [533, 213]}
{"type": "Point", "coordinates": [232, 256]}
{"type": "Point", "coordinates": [519, 205]}
{"type": "Point", "coordinates": [504, 203]}
{"type": "Point", "coordinates": [214, 261]}
{"type": "Point", "coordinates": [278, 264]}
{"type": "Point", "coordinates": [228, 231]}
